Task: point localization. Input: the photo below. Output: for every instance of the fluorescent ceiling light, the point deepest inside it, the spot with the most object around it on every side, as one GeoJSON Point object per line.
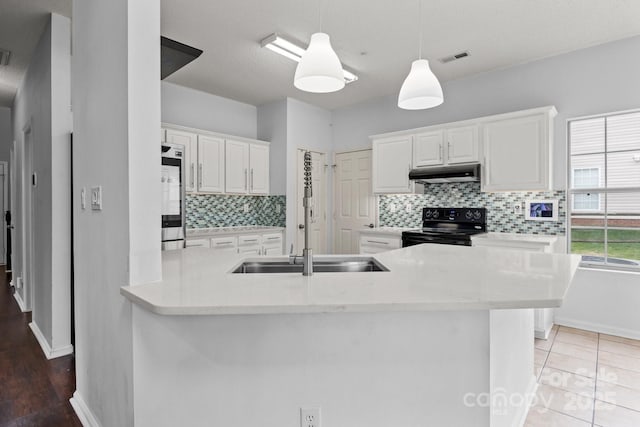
{"type": "Point", "coordinates": [294, 52]}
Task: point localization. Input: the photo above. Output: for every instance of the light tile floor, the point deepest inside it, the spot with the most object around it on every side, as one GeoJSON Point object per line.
{"type": "Point", "coordinates": [586, 379]}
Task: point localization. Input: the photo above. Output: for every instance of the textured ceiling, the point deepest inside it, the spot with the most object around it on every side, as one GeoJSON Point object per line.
{"type": "Point", "coordinates": [375, 38]}
{"type": "Point", "coordinates": [378, 39]}
{"type": "Point", "coordinates": [21, 24]}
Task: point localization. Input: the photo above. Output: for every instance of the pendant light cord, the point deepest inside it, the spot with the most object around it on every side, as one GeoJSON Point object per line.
{"type": "Point", "coordinates": [320, 15]}
{"type": "Point", "coordinates": [420, 29]}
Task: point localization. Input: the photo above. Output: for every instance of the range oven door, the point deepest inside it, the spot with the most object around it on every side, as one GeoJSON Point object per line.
{"type": "Point", "coordinates": [172, 206]}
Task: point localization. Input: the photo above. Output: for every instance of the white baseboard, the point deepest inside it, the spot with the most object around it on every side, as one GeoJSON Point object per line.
{"type": "Point", "coordinates": [597, 327]}
{"type": "Point", "coordinates": [82, 411]}
{"type": "Point", "coordinates": [18, 298]}
{"type": "Point", "coordinates": [46, 348]}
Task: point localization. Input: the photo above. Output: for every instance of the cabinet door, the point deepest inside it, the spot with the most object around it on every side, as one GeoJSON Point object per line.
{"type": "Point", "coordinates": [236, 167]}
{"type": "Point", "coordinates": [516, 154]}
{"type": "Point", "coordinates": [258, 169]}
{"type": "Point", "coordinates": [210, 164]}
{"type": "Point", "coordinates": [391, 165]}
{"type": "Point", "coordinates": [272, 250]}
{"type": "Point", "coordinates": [428, 149]}
{"type": "Point", "coordinates": [197, 243]}
{"type": "Point", "coordinates": [190, 142]}
{"type": "Point", "coordinates": [462, 145]}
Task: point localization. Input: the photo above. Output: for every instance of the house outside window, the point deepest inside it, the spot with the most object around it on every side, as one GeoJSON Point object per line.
{"type": "Point", "coordinates": [604, 190]}
{"type": "Point", "coordinates": [586, 178]}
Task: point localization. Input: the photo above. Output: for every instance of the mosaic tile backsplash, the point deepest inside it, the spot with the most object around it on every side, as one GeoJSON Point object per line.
{"type": "Point", "coordinates": [500, 215]}
{"type": "Point", "coordinates": [212, 210]}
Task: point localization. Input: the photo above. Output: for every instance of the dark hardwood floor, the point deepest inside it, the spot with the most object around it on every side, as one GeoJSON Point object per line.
{"type": "Point", "coordinates": [34, 391]}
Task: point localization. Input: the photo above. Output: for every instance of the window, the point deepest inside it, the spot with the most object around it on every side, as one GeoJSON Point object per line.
{"type": "Point", "coordinates": [586, 178]}
{"type": "Point", "coordinates": [604, 192]}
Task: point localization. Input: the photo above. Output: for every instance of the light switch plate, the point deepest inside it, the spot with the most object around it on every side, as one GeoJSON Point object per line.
{"type": "Point", "coordinates": [246, 208]}
{"type": "Point", "coordinates": [392, 207]}
{"type": "Point", "coordinates": [96, 198]}
{"type": "Point", "coordinates": [83, 198]}
{"type": "Point", "coordinates": [408, 208]}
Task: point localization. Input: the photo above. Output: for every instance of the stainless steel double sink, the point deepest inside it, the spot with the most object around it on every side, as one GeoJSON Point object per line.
{"type": "Point", "coordinates": [320, 265]}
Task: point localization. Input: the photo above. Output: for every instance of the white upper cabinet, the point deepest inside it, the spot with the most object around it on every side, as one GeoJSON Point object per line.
{"type": "Point", "coordinates": [210, 164]}
{"type": "Point", "coordinates": [236, 167]}
{"type": "Point", "coordinates": [462, 145]}
{"type": "Point", "coordinates": [190, 142]}
{"type": "Point", "coordinates": [391, 165]}
{"type": "Point", "coordinates": [258, 169]}
{"type": "Point", "coordinates": [517, 152]}
{"type": "Point", "coordinates": [428, 149]}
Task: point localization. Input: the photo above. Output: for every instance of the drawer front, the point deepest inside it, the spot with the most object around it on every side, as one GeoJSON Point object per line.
{"type": "Point", "coordinates": [272, 239]}
{"type": "Point", "coordinates": [197, 243]}
{"type": "Point", "coordinates": [224, 242]}
{"type": "Point", "coordinates": [249, 240]}
{"type": "Point", "coordinates": [389, 242]}
{"type": "Point", "coordinates": [272, 250]}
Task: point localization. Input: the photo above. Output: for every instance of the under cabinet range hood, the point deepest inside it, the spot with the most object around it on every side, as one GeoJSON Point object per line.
{"type": "Point", "coordinates": [446, 174]}
{"type": "Point", "coordinates": [175, 55]}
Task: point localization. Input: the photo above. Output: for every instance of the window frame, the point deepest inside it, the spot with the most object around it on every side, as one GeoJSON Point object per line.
{"type": "Point", "coordinates": [602, 265]}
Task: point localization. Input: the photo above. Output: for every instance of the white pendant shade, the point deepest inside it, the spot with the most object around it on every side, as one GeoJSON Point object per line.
{"type": "Point", "coordinates": [319, 70]}
{"type": "Point", "coordinates": [421, 89]}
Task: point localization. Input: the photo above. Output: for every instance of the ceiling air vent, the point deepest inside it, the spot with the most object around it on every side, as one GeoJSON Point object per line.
{"type": "Point", "coordinates": [455, 57]}
{"type": "Point", "coordinates": [4, 57]}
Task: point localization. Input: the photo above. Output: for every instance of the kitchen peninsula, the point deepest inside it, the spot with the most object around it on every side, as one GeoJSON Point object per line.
{"type": "Point", "coordinates": [445, 337]}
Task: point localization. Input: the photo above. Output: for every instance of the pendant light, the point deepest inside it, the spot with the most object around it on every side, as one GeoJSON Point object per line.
{"type": "Point", "coordinates": [319, 69]}
{"type": "Point", "coordinates": [421, 89]}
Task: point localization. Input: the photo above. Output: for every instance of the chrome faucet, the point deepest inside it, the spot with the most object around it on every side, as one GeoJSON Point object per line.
{"type": "Point", "coordinates": [307, 253]}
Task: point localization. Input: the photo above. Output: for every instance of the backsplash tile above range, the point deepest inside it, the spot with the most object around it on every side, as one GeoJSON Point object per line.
{"type": "Point", "coordinates": [500, 215]}
{"type": "Point", "coordinates": [212, 210]}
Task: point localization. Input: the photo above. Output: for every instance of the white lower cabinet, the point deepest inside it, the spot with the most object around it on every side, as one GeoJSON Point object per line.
{"type": "Point", "coordinates": [543, 317]}
{"type": "Point", "coordinates": [226, 243]}
{"type": "Point", "coordinates": [246, 243]}
{"type": "Point", "coordinates": [373, 243]}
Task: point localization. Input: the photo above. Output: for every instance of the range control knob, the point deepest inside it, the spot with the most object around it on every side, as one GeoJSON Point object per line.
{"type": "Point", "coordinates": [477, 215]}
{"type": "Point", "coordinates": [427, 213]}
{"type": "Point", "coordinates": [468, 215]}
{"type": "Point", "coordinates": [436, 213]}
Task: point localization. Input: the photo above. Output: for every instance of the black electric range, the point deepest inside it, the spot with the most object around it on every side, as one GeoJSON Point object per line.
{"type": "Point", "coordinates": [448, 226]}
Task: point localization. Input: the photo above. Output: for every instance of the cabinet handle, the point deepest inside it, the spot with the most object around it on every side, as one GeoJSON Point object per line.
{"type": "Point", "coordinates": [251, 179]}
{"type": "Point", "coordinates": [408, 180]}
{"type": "Point", "coordinates": [245, 179]}
{"type": "Point", "coordinates": [223, 243]}
{"type": "Point", "coordinates": [441, 152]}
{"type": "Point", "coordinates": [485, 171]}
{"type": "Point", "coordinates": [378, 242]}
{"type": "Point", "coordinates": [191, 178]}
{"type": "Point", "coordinates": [199, 175]}
{"type": "Point", "coordinates": [273, 238]}
{"type": "Point", "coordinates": [449, 149]}
{"type": "Point", "coordinates": [250, 240]}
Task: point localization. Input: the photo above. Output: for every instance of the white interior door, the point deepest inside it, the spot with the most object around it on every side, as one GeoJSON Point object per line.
{"type": "Point", "coordinates": [354, 201]}
{"type": "Point", "coordinates": [318, 233]}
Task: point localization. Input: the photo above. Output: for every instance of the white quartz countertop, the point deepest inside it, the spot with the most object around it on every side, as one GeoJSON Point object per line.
{"type": "Point", "coordinates": [216, 231]}
{"type": "Point", "coordinates": [515, 237]}
{"type": "Point", "coordinates": [197, 281]}
{"type": "Point", "coordinates": [394, 231]}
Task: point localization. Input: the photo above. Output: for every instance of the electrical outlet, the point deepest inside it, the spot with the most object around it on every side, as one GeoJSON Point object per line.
{"type": "Point", "coordinates": [392, 207]}
{"type": "Point", "coordinates": [517, 208]}
{"type": "Point", "coordinates": [246, 207]}
{"type": "Point", "coordinates": [96, 198]}
{"type": "Point", "coordinates": [278, 208]}
{"type": "Point", "coordinates": [310, 417]}
{"type": "Point", "coordinates": [408, 208]}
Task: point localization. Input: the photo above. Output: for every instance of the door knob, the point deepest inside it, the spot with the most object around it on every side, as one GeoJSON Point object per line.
{"type": "Point", "coordinates": [301, 226]}
{"type": "Point", "coordinates": [369, 225]}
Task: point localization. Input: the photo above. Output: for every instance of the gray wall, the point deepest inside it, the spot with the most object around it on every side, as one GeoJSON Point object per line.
{"type": "Point", "coordinates": [43, 104]}
{"type": "Point", "coordinates": [189, 107]}
{"type": "Point", "coordinates": [6, 133]}
{"type": "Point", "coordinates": [116, 104]}
{"type": "Point", "coordinates": [596, 80]}
{"type": "Point", "coordinates": [272, 126]}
